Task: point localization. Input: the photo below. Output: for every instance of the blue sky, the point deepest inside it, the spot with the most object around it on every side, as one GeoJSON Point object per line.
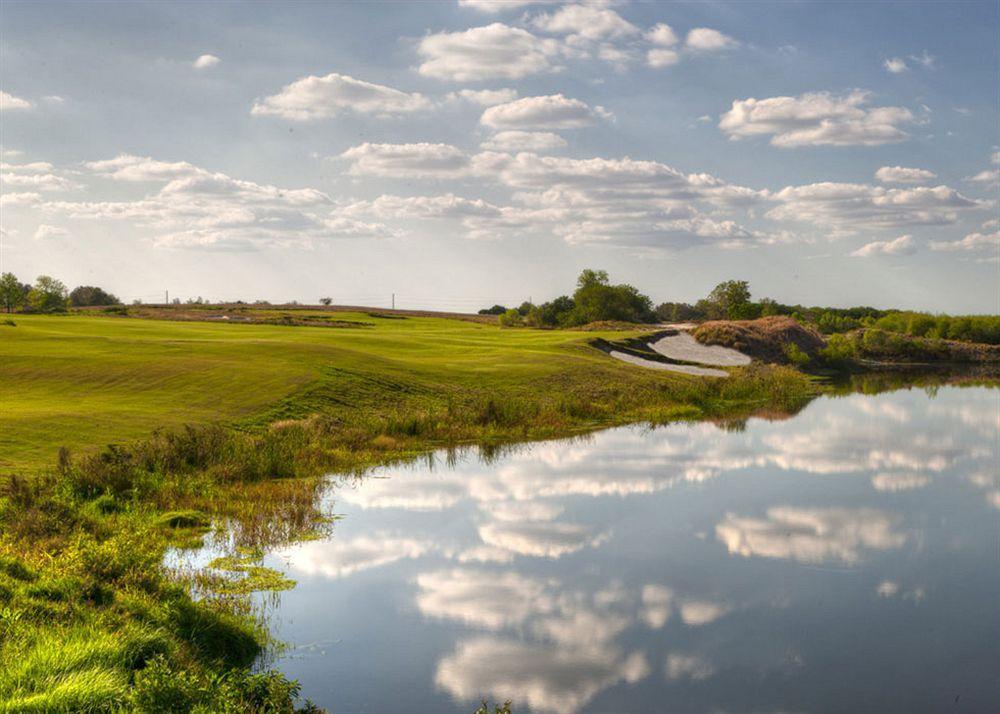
{"type": "Point", "coordinates": [464, 153]}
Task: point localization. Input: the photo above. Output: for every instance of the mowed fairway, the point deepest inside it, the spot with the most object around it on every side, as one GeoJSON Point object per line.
{"type": "Point", "coordinates": [82, 381]}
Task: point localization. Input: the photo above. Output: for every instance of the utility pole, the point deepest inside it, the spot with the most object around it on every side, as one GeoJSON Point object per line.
{"type": "Point", "coordinates": [166, 297]}
{"type": "Point", "coordinates": [394, 301]}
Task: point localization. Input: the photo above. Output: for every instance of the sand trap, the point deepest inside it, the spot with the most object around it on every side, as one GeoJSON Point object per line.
{"type": "Point", "coordinates": [682, 368]}
{"type": "Point", "coordinates": [683, 346]}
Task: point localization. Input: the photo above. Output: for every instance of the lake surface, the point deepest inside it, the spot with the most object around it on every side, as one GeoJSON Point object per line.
{"type": "Point", "coordinates": [845, 559]}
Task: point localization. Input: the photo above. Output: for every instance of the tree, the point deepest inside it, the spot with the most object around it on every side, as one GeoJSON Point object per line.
{"type": "Point", "coordinates": [11, 292]}
{"type": "Point", "coordinates": [596, 299]}
{"type": "Point", "coordinates": [495, 310]}
{"type": "Point", "coordinates": [326, 301]}
{"type": "Point", "coordinates": [87, 295]}
{"type": "Point", "coordinates": [731, 297]}
{"type": "Point", "coordinates": [590, 278]}
{"type": "Point", "coordinates": [511, 318]}
{"type": "Point", "coordinates": [48, 295]}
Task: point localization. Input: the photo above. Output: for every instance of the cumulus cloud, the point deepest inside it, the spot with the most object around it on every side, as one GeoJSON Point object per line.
{"type": "Point", "coordinates": [701, 612]}
{"type": "Point", "coordinates": [541, 539]}
{"type": "Point", "coordinates": [407, 160]}
{"type": "Point", "coordinates": [901, 174]}
{"type": "Point", "coordinates": [47, 232]}
{"type": "Point", "coordinates": [589, 22]}
{"type": "Point", "coordinates": [196, 208]}
{"type": "Point", "coordinates": [681, 666]}
{"type": "Point", "coordinates": [987, 178]}
{"type": "Point", "coordinates": [495, 6]}
{"type": "Point", "coordinates": [656, 605]}
{"type": "Point", "coordinates": [485, 97]}
{"type": "Point", "coordinates": [312, 98]}
{"type": "Point", "coordinates": [8, 102]}
{"type": "Point", "coordinates": [705, 39]}
{"type": "Point", "coordinates": [845, 207]}
{"type": "Point", "coordinates": [341, 557]}
{"type": "Point", "coordinates": [515, 141]}
{"type": "Point", "coordinates": [971, 242]}
{"type": "Point", "coordinates": [661, 34]}
{"type": "Point", "coordinates": [817, 119]}
{"type": "Point", "coordinates": [545, 677]}
{"type": "Point", "coordinates": [205, 62]}
{"type": "Point", "coordinates": [36, 176]}
{"type": "Point", "coordinates": [483, 599]}
{"type": "Point", "coordinates": [21, 198]}
{"type": "Point", "coordinates": [549, 112]}
{"type": "Point", "coordinates": [904, 245]}
{"type": "Point", "coordinates": [495, 51]}
{"type": "Point", "coordinates": [895, 65]}
{"type": "Point", "coordinates": [657, 58]}
{"type": "Point", "coordinates": [899, 481]}
{"type": "Point", "coordinates": [810, 535]}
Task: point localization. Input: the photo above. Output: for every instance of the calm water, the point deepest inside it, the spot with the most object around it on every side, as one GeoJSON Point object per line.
{"type": "Point", "coordinates": [845, 559]}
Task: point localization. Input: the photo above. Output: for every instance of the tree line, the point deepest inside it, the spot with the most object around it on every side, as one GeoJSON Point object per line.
{"type": "Point", "coordinates": [49, 295]}
{"type": "Point", "coordinates": [596, 299]}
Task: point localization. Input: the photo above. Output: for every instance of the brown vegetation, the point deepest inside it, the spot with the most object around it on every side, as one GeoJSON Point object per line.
{"type": "Point", "coordinates": [766, 339]}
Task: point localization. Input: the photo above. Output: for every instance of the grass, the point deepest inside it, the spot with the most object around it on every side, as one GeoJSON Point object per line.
{"type": "Point", "coordinates": [124, 437]}
{"type": "Point", "coordinates": [80, 381]}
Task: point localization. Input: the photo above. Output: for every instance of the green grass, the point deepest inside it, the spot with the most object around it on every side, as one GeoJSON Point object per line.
{"type": "Point", "coordinates": [80, 381]}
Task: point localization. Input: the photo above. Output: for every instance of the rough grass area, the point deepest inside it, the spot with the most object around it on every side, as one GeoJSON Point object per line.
{"type": "Point", "coordinates": [766, 339]}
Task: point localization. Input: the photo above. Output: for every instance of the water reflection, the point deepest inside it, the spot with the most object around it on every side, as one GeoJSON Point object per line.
{"type": "Point", "coordinates": [687, 568]}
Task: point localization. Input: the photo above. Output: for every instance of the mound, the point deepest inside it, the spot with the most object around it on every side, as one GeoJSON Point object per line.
{"type": "Point", "coordinates": [764, 339]}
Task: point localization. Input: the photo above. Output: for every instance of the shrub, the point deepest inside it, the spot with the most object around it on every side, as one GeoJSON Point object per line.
{"type": "Point", "coordinates": [795, 355]}
{"type": "Point", "coordinates": [511, 318]}
{"type": "Point", "coordinates": [839, 350]}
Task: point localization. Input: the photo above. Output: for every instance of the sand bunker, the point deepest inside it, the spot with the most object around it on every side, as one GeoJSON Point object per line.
{"type": "Point", "coordinates": [684, 347]}
{"type": "Point", "coordinates": [682, 368]}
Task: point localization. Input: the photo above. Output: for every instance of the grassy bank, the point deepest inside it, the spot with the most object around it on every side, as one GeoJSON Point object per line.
{"type": "Point", "coordinates": [89, 618]}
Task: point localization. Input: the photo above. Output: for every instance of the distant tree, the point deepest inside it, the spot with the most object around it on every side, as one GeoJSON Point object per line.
{"type": "Point", "coordinates": [557, 312]}
{"type": "Point", "coordinates": [732, 298]}
{"type": "Point", "coordinates": [47, 295]}
{"type": "Point", "coordinates": [87, 295]}
{"type": "Point", "coordinates": [676, 312]}
{"type": "Point", "coordinates": [524, 308]}
{"type": "Point", "coordinates": [11, 292]}
{"type": "Point", "coordinates": [596, 299]}
{"type": "Point", "coordinates": [495, 310]}
{"type": "Point", "coordinates": [511, 318]}
{"type": "Point", "coordinates": [326, 301]}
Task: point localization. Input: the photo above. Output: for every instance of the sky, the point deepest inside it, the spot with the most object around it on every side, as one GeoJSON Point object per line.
{"type": "Point", "coordinates": [463, 153]}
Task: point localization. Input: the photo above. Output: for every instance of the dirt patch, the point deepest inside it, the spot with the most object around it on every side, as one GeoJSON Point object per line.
{"type": "Point", "coordinates": [765, 339]}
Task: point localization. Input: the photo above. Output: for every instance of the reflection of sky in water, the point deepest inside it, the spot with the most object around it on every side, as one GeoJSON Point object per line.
{"type": "Point", "coordinates": [843, 560]}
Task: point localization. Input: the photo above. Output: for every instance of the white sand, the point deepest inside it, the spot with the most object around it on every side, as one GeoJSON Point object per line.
{"type": "Point", "coordinates": [682, 368]}
{"type": "Point", "coordinates": [683, 346]}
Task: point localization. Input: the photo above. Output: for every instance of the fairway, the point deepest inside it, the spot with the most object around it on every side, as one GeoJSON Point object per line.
{"type": "Point", "coordinates": [81, 381]}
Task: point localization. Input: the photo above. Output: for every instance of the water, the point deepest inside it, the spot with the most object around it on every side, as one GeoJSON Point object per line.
{"type": "Point", "coordinates": [845, 559]}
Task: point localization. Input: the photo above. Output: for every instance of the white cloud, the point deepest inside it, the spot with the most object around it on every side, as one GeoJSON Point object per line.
{"type": "Point", "coordinates": [899, 481]}
{"type": "Point", "coordinates": [495, 51]}
{"type": "Point", "coordinates": [407, 160]}
{"type": "Point", "coordinates": [701, 612]}
{"type": "Point", "coordinates": [688, 667]}
{"type": "Point", "coordinates": [973, 241]}
{"type": "Point", "coordinates": [705, 39]}
{"type": "Point", "coordinates": [845, 207]}
{"type": "Point", "coordinates": [515, 141]}
{"type": "Point", "coordinates": [23, 198]}
{"type": "Point", "coordinates": [8, 102]}
{"type": "Point", "coordinates": [924, 58]}
{"type": "Point", "coordinates": [444, 206]}
{"type": "Point", "coordinates": [900, 174]}
{"type": "Point", "coordinates": [196, 208]}
{"type": "Point", "coordinates": [545, 677]}
{"type": "Point", "coordinates": [47, 232]}
{"type": "Point", "coordinates": [817, 119]}
{"type": "Point", "coordinates": [656, 605]}
{"type": "Point", "coordinates": [549, 112]}
{"type": "Point", "coordinates": [995, 158]}
{"type": "Point", "coordinates": [887, 588]}
{"type": "Point", "coordinates": [895, 65]}
{"type": "Point", "coordinates": [661, 34]}
{"type": "Point", "coordinates": [987, 177]}
{"type": "Point", "coordinates": [312, 98]}
{"type": "Point", "coordinates": [37, 176]}
{"type": "Point", "coordinates": [485, 97]}
{"type": "Point", "coordinates": [540, 539]}
{"type": "Point", "coordinates": [206, 62]}
{"type": "Point", "coordinates": [495, 6]}
{"type": "Point", "coordinates": [490, 600]}
{"type": "Point", "coordinates": [339, 557]}
{"type": "Point", "coordinates": [904, 245]}
{"type": "Point", "coordinates": [810, 535]}
{"type": "Point", "coordinates": [587, 21]}
{"type": "Point", "coordinates": [657, 58]}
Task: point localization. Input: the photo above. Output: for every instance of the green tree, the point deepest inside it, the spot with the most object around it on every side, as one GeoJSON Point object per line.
{"type": "Point", "coordinates": [731, 297]}
{"type": "Point", "coordinates": [511, 318]}
{"type": "Point", "coordinates": [48, 295]}
{"type": "Point", "coordinates": [596, 299]}
{"type": "Point", "coordinates": [11, 292]}
{"type": "Point", "coordinates": [87, 295]}
{"type": "Point", "coordinates": [326, 301]}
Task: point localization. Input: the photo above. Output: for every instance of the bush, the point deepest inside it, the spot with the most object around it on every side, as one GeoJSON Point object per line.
{"type": "Point", "coordinates": [511, 318]}
{"type": "Point", "coordinates": [839, 351]}
{"type": "Point", "coordinates": [795, 355]}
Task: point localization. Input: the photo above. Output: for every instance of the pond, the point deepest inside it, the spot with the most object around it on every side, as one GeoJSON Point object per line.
{"type": "Point", "coordinates": [844, 559]}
